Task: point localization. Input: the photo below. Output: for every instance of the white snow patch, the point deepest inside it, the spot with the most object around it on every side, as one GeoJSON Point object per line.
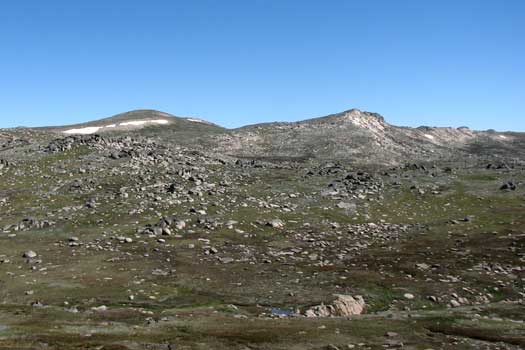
{"type": "Point", "coordinates": [428, 136]}
{"type": "Point", "coordinates": [196, 120]}
{"type": "Point", "coordinates": [142, 122]}
{"type": "Point", "coordinates": [94, 129]}
{"type": "Point", "coordinates": [502, 136]}
{"type": "Point", "coordinates": [84, 131]}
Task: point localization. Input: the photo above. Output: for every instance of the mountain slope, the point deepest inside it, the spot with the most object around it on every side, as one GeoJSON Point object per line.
{"type": "Point", "coordinates": [366, 137]}
{"type": "Point", "coordinates": [353, 135]}
{"type": "Point", "coordinates": [145, 123]}
{"type": "Point", "coordinates": [134, 120]}
{"type": "Point", "coordinates": [149, 237]}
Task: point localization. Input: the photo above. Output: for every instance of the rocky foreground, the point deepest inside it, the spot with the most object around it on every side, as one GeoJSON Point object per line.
{"type": "Point", "coordinates": [159, 238]}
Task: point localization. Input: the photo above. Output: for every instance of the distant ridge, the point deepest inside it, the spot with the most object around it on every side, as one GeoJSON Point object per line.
{"type": "Point", "coordinates": [135, 119]}
{"type": "Point", "coordinates": [356, 135]}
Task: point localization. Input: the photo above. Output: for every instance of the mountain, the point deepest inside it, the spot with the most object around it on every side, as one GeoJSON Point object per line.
{"type": "Point", "coordinates": [352, 135]}
{"type": "Point", "coordinates": [145, 123]}
{"type": "Point", "coordinates": [133, 120]}
{"type": "Point", "coordinates": [150, 231]}
{"type": "Point", "coordinates": [366, 137]}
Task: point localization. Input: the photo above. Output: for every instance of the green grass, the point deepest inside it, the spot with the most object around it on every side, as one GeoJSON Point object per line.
{"type": "Point", "coordinates": [195, 295]}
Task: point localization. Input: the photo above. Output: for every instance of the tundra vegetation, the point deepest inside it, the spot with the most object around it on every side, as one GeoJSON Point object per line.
{"type": "Point", "coordinates": [147, 231]}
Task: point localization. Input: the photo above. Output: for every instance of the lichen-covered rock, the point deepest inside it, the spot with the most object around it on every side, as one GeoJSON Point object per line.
{"type": "Point", "coordinates": [342, 306]}
{"type": "Point", "coordinates": [346, 305]}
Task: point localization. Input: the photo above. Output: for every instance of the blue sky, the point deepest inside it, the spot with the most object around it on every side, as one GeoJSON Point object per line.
{"type": "Point", "coordinates": [237, 62]}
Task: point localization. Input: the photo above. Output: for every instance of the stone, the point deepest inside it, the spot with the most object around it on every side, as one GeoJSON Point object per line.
{"type": "Point", "coordinates": [30, 254]}
{"type": "Point", "coordinates": [342, 306]}
{"type": "Point", "coordinates": [346, 305]}
{"type": "Point", "coordinates": [180, 224]}
{"type": "Point", "coordinates": [454, 303]}
{"type": "Point", "coordinates": [100, 308]}
{"type": "Point", "coordinates": [318, 311]}
{"type": "Point", "coordinates": [408, 296]}
{"type": "Point", "coordinates": [509, 186]}
{"type": "Point", "coordinates": [423, 266]}
{"type": "Point", "coordinates": [226, 260]}
{"type": "Point", "coordinates": [275, 223]}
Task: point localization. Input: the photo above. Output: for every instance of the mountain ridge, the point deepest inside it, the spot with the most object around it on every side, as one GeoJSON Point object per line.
{"type": "Point", "coordinates": [359, 136]}
{"type": "Point", "coordinates": [153, 113]}
{"type": "Point", "coordinates": [279, 228]}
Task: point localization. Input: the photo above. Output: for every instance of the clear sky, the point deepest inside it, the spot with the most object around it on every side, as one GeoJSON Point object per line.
{"type": "Point", "coordinates": [236, 62]}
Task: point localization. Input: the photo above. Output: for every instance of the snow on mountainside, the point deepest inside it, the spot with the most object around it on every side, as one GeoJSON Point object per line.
{"type": "Point", "coordinates": [352, 135]}
{"type": "Point", "coordinates": [127, 124]}
{"type": "Point", "coordinates": [363, 137]}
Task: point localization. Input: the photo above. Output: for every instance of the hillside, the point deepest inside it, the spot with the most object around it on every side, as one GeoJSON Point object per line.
{"type": "Point", "coordinates": [340, 232]}
{"type": "Point", "coordinates": [353, 135]}
{"type": "Point", "coordinates": [364, 137]}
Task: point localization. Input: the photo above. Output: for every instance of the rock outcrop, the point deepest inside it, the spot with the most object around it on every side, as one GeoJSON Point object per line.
{"type": "Point", "coordinates": [342, 306]}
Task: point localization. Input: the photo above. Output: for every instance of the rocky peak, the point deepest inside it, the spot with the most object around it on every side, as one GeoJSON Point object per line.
{"type": "Point", "coordinates": [371, 121]}
{"type": "Point", "coordinates": [367, 120]}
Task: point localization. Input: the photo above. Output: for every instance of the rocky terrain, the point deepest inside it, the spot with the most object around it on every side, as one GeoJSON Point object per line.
{"type": "Point", "coordinates": [149, 231]}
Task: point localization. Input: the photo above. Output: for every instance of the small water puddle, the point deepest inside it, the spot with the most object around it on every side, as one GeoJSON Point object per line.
{"type": "Point", "coordinates": [282, 312]}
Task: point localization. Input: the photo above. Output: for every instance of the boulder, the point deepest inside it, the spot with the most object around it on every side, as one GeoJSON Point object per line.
{"type": "Point", "coordinates": [30, 254]}
{"type": "Point", "coordinates": [346, 305]}
{"type": "Point", "coordinates": [509, 186]}
{"type": "Point", "coordinates": [275, 223]}
{"type": "Point", "coordinates": [341, 306]}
